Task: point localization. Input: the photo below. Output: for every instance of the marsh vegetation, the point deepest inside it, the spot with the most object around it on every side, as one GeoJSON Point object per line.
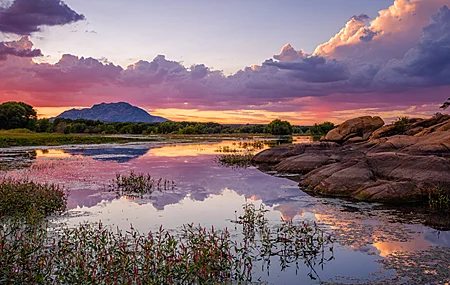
{"type": "Point", "coordinates": [33, 251]}
{"type": "Point", "coordinates": [139, 184]}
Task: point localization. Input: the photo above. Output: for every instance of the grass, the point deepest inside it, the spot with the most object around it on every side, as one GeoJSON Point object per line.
{"type": "Point", "coordinates": [139, 184]}
{"type": "Point", "coordinates": [439, 200]}
{"type": "Point", "coordinates": [235, 160]}
{"type": "Point", "coordinates": [20, 137]}
{"type": "Point", "coordinates": [30, 200]}
{"type": "Point", "coordinates": [34, 253]}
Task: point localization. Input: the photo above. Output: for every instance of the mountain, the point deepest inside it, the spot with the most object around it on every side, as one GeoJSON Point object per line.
{"type": "Point", "coordinates": [112, 112]}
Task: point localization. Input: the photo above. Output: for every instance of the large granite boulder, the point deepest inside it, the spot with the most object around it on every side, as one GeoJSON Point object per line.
{"type": "Point", "coordinates": [361, 127]}
{"type": "Point", "coordinates": [392, 169]}
{"type": "Point", "coordinates": [277, 154]}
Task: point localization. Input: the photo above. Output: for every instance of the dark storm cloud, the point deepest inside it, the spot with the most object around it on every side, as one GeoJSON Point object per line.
{"type": "Point", "coordinates": [430, 58]}
{"type": "Point", "coordinates": [6, 50]}
{"type": "Point", "coordinates": [315, 69]}
{"type": "Point", "coordinates": [24, 17]}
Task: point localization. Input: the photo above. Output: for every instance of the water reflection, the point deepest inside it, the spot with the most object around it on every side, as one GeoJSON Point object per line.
{"type": "Point", "coordinates": [209, 194]}
{"type": "Point", "coordinates": [17, 159]}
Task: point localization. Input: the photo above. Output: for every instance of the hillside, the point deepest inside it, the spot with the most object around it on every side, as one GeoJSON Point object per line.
{"type": "Point", "coordinates": [112, 112]}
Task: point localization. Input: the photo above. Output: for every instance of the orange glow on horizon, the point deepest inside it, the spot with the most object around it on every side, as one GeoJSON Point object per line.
{"type": "Point", "coordinates": [305, 118]}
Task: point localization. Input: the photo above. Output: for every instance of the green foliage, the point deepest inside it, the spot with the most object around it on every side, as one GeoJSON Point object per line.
{"type": "Point", "coordinates": [235, 160]}
{"type": "Point", "coordinates": [14, 115]}
{"type": "Point", "coordinates": [139, 184]}
{"type": "Point", "coordinates": [279, 128]}
{"type": "Point", "coordinates": [27, 138]}
{"type": "Point", "coordinates": [30, 200]}
{"type": "Point", "coordinates": [439, 200]}
{"type": "Point", "coordinates": [401, 124]}
{"type": "Point", "coordinates": [44, 126]}
{"type": "Point", "coordinates": [321, 129]}
{"type": "Point", "coordinates": [95, 254]}
{"type": "Point", "coordinates": [446, 104]}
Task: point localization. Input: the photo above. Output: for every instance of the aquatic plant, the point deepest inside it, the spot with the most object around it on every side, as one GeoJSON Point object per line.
{"type": "Point", "coordinates": [252, 146]}
{"type": "Point", "coordinates": [227, 149]}
{"type": "Point", "coordinates": [95, 254]}
{"type": "Point", "coordinates": [246, 146]}
{"type": "Point", "coordinates": [139, 184]}
{"type": "Point", "coordinates": [235, 160]}
{"type": "Point", "coordinates": [439, 199]}
{"type": "Point", "coordinates": [30, 200]}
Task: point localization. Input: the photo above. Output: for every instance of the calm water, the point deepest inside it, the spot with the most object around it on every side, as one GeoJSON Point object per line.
{"type": "Point", "coordinates": [367, 237]}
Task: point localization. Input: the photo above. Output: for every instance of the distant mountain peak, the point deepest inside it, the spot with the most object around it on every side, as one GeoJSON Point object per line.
{"type": "Point", "coordinates": [112, 112]}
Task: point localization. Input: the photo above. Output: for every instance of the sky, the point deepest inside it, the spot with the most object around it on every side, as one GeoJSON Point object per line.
{"type": "Point", "coordinates": [237, 61]}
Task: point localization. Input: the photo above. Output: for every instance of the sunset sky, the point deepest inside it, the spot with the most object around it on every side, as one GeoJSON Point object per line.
{"type": "Point", "coordinates": [237, 61]}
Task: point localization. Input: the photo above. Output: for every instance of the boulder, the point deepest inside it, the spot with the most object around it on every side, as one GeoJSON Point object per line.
{"type": "Point", "coordinates": [384, 131]}
{"type": "Point", "coordinates": [386, 168]}
{"type": "Point", "coordinates": [441, 127]}
{"type": "Point", "coordinates": [437, 143]}
{"type": "Point", "coordinates": [341, 179]}
{"type": "Point", "coordinates": [277, 154]}
{"type": "Point", "coordinates": [304, 163]}
{"type": "Point", "coordinates": [359, 127]}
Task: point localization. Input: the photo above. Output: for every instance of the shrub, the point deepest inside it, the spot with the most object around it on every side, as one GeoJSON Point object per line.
{"type": "Point", "coordinates": [33, 201]}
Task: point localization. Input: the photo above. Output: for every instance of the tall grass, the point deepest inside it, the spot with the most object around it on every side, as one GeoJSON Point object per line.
{"type": "Point", "coordinates": [235, 160]}
{"type": "Point", "coordinates": [30, 200]}
{"type": "Point", "coordinates": [439, 200]}
{"type": "Point", "coordinates": [95, 254]}
{"type": "Point", "coordinates": [139, 184]}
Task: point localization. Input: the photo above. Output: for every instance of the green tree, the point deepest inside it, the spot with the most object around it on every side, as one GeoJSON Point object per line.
{"type": "Point", "coordinates": [15, 115]}
{"type": "Point", "coordinates": [279, 128]}
{"type": "Point", "coordinates": [446, 104]}
{"type": "Point", "coordinates": [43, 125]}
{"type": "Point", "coordinates": [321, 129]}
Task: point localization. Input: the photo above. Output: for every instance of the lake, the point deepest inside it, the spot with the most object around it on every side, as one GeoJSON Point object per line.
{"type": "Point", "coordinates": [372, 244]}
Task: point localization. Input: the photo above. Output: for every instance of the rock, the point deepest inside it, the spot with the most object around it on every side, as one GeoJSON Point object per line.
{"type": "Point", "coordinates": [422, 170]}
{"type": "Point", "coordinates": [390, 192]}
{"type": "Point", "coordinates": [334, 135]}
{"type": "Point", "coordinates": [303, 163]}
{"type": "Point", "coordinates": [437, 119]}
{"type": "Point", "coordinates": [384, 131]}
{"type": "Point", "coordinates": [413, 131]}
{"type": "Point", "coordinates": [341, 179]}
{"type": "Point", "coordinates": [359, 127]}
{"type": "Point", "coordinates": [441, 127]}
{"type": "Point", "coordinates": [386, 168]}
{"type": "Point", "coordinates": [355, 140]}
{"type": "Point", "coordinates": [437, 143]}
{"type": "Point", "coordinates": [278, 154]}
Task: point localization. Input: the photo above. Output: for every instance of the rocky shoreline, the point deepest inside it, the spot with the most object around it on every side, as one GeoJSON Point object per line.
{"type": "Point", "coordinates": [364, 159]}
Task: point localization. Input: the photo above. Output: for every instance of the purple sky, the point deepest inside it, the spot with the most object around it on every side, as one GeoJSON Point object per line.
{"type": "Point", "coordinates": [233, 61]}
{"type": "Point", "coordinates": [225, 35]}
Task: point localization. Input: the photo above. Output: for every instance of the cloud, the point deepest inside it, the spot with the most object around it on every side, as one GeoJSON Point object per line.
{"type": "Point", "coordinates": [383, 64]}
{"type": "Point", "coordinates": [25, 17]}
{"type": "Point", "coordinates": [388, 36]}
{"type": "Point", "coordinates": [314, 69]}
{"type": "Point", "coordinates": [430, 58]}
{"type": "Point", "coordinates": [288, 53]}
{"type": "Point", "coordinates": [20, 48]}
{"type": "Point", "coordinates": [427, 63]}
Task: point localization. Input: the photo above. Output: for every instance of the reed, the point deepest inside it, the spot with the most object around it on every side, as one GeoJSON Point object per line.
{"type": "Point", "coordinates": [95, 254]}
{"type": "Point", "coordinates": [139, 184]}
{"type": "Point", "coordinates": [235, 160]}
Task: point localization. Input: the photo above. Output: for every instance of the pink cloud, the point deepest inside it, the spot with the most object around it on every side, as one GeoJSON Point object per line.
{"type": "Point", "coordinates": [355, 69]}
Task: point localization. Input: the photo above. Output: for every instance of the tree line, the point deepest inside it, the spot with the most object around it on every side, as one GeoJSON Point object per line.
{"type": "Point", "coordinates": [15, 115]}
